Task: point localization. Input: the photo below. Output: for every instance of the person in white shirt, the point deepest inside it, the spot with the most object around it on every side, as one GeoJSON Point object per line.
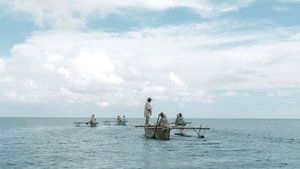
{"type": "Point", "coordinates": [123, 118]}
{"type": "Point", "coordinates": [148, 110]}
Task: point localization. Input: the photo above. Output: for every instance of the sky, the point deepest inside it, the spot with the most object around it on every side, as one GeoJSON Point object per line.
{"type": "Point", "coordinates": [201, 58]}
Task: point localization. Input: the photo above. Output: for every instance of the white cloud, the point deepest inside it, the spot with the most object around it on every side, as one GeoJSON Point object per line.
{"type": "Point", "coordinates": [232, 93]}
{"type": "Point", "coordinates": [49, 69]}
{"type": "Point", "coordinates": [178, 83]}
{"type": "Point", "coordinates": [152, 89]}
{"type": "Point", "coordinates": [128, 67]}
{"type": "Point", "coordinates": [76, 13]}
{"type": "Point", "coordinates": [95, 65]}
{"type": "Point", "coordinates": [29, 84]}
{"type": "Point", "coordinates": [2, 66]}
{"type": "Point", "coordinates": [103, 104]}
{"type": "Point", "coordinates": [64, 72]}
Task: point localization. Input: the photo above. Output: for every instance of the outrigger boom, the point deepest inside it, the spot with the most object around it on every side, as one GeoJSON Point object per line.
{"type": "Point", "coordinates": [183, 129]}
{"type": "Point", "coordinates": [78, 123]}
{"type": "Point", "coordinates": [179, 127]}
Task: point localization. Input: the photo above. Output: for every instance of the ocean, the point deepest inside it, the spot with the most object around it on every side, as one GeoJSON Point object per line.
{"type": "Point", "coordinates": [230, 143]}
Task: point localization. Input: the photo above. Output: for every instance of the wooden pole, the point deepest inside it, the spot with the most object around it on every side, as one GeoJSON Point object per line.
{"type": "Point", "coordinates": [155, 127]}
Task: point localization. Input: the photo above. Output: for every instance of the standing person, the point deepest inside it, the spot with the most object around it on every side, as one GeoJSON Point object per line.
{"type": "Point", "coordinates": [148, 110]}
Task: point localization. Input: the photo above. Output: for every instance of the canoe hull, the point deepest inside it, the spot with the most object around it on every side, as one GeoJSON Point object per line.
{"type": "Point", "coordinates": [121, 123]}
{"type": "Point", "coordinates": [160, 133]}
{"type": "Point", "coordinates": [93, 124]}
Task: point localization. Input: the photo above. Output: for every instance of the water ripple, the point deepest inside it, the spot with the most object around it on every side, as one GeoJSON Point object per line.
{"type": "Point", "coordinates": [56, 143]}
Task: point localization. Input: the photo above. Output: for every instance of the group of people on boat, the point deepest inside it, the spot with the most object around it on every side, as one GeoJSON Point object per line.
{"type": "Point", "coordinates": [162, 127]}
{"type": "Point", "coordinates": [93, 122]}
{"type": "Point", "coordinates": [163, 120]}
{"type": "Point", "coordinates": [121, 121]}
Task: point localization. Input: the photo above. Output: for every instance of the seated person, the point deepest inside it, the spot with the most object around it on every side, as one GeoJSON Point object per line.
{"type": "Point", "coordinates": [163, 122]}
{"type": "Point", "coordinates": [119, 119]}
{"type": "Point", "coordinates": [123, 118]}
{"type": "Point", "coordinates": [179, 120]}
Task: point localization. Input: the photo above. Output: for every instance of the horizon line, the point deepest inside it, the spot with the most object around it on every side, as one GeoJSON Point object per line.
{"type": "Point", "coordinates": [234, 118]}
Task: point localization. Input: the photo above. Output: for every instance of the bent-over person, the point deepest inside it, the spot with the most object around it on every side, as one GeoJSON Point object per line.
{"type": "Point", "coordinates": [164, 122]}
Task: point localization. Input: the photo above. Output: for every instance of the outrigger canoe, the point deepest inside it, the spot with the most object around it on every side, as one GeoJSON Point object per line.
{"type": "Point", "coordinates": [121, 122]}
{"type": "Point", "coordinates": [164, 134]}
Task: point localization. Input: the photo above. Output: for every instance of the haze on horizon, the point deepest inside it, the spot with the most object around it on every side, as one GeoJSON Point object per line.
{"type": "Point", "coordinates": [207, 58]}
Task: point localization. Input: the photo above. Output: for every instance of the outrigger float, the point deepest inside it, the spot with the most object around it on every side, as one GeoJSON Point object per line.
{"type": "Point", "coordinates": [118, 123]}
{"type": "Point", "coordinates": [79, 123]}
{"type": "Point", "coordinates": [164, 134]}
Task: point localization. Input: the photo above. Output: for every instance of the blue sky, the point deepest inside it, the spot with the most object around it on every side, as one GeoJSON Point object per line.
{"type": "Point", "coordinates": [217, 59]}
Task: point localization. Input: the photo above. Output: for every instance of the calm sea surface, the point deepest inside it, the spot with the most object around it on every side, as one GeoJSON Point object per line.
{"type": "Point", "coordinates": [57, 143]}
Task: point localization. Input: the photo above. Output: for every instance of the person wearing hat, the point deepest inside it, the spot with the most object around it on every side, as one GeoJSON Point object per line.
{"type": "Point", "coordinates": [148, 110]}
{"type": "Point", "coordinates": [179, 120]}
{"type": "Point", "coordinates": [163, 121]}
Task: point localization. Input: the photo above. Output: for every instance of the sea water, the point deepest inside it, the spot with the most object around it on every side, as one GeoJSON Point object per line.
{"type": "Point", "coordinates": [230, 143]}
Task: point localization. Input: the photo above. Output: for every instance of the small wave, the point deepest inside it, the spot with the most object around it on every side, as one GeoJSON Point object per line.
{"type": "Point", "coordinates": [11, 164]}
{"type": "Point", "coordinates": [206, 143]}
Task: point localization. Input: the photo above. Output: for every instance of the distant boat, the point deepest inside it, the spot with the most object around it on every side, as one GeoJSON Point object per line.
{"type": "Point", "coordinates": [119, 123]}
